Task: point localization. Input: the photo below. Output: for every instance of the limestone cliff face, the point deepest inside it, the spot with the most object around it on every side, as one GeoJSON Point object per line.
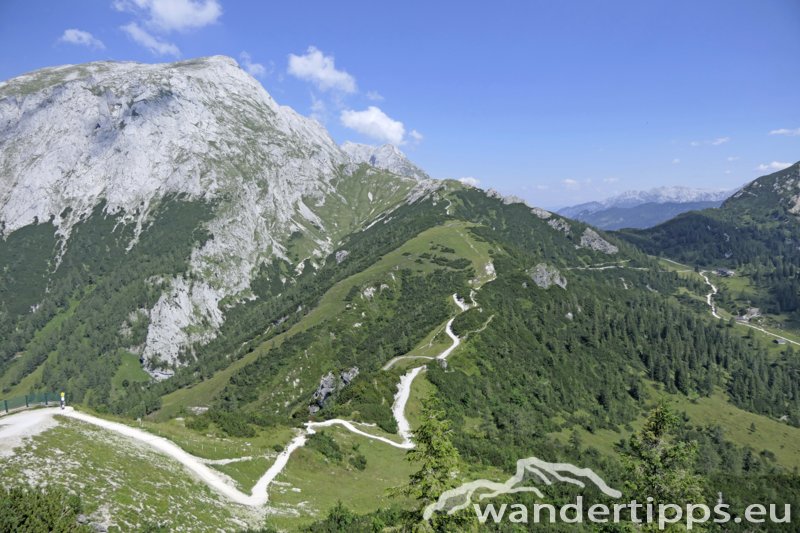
{"type": "Point", "coordinates": [125, 135]}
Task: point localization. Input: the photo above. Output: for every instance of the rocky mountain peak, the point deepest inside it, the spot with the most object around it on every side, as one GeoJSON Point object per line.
{"type": "Point", "coordinates": [386, 157]}
{"type": "Point", "coordinates": [128, 133]}
{"type": "Point", "coordinates": [125, 135]}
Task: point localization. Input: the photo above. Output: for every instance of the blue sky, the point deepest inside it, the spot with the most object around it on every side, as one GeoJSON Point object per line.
{"type": "Point", "coordinates": [558, 102]}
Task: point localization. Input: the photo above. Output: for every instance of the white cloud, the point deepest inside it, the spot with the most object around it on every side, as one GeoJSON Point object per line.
{"type": "Point", "coordinates": [733, 158]}
{"type": "Point", "coordinates": [542, 187]}
{"type": "Point", "coordinates": [786, 131]}
{"type": "Point", "coordinates": [80, 37]}
{"type": "Point", "coordinates": [416, 136]}
{"type": "Point", "coordinates": [469, 180]}
{"type": "Point", "coordinates": [155, 45]}
{"type": "Point", "coordinates": [171, 15]}
{"type": "Point", "coordinates": [713, 142]}
{"type": "Point", "coordinates": [570, 183]}
{"type": "Point", "coordinates": [612, 179]}
{"type": "Point", "coordinates": [775, 165]}
{"type": "Point", "coordinates": [257, 70]}
{"type": "Point", "coordinates": [375, 96]}
{"type": "Point", "coordinates": [676, 161]}
{"type": "Point", "coordinates": [374, 123]}
{"type": "Point", "coordinates": [320, 70]}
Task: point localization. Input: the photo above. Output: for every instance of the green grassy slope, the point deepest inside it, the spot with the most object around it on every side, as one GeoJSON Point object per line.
{"type": "Point", "coordinates": [127, 486]}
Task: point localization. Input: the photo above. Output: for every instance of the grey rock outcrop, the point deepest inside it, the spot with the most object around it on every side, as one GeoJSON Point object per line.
{"type": "Point", "coordinates": [541, 213]}
{"type": "Point", "coordinates": [330, 384]}
{"type": "Point", "coordinates": [348, 375]}
{"type": "Point", "coordinates": [590, 239]}
{"type": "Point", "coordinates": [545, 276]}
{"type": "Point", "coordinates": [386, 157]}
{"type": "Point", "coordinates": [560, 224]}
{"type": "Point", "coordinates": [341, 255]}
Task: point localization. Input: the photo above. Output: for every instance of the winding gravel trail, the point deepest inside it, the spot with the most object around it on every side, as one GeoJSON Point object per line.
{"type": "Point", "coordinates": [399, 358]}
{"type": "Point", "coordinates": [713, 307]}
{"type": "Point", "coordinates": [30, 423]}
{"type": "Point", "coordinates": [16, 427]}
{"type": "Point", "coordinates": [710, 295]}
{"type": "Point", "coordinates": [463, 306]}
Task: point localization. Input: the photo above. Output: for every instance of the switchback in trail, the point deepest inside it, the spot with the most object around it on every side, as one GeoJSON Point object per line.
{"type": "Point", "coordinates": [14, 428]}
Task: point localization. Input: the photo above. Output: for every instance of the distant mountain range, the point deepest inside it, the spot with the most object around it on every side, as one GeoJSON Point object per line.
{"type": "Point", "coordinates": [644, 209]}
{"type": "Point", "coordinates": [757, 225]}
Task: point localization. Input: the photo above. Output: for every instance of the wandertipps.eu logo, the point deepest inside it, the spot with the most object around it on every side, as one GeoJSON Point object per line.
{"type": "Point", "coordinates": [533, 473]}
{"type": "Point", "coordinates": [530, 473]}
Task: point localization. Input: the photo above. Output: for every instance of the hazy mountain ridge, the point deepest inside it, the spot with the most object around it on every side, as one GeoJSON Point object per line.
{"type": "Point", "coordinates": [641, 216]}
{"type": "Point", "coordinates": [642, 209]}
{"type": "Point", "coordinates": [757, 213]}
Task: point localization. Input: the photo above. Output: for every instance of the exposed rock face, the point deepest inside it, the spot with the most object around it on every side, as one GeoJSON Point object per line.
{"type": "Point", "coordinates": [327, 386]}
{"type": "Point", "coordinates": [330, 384]}
{"type": "Point", "coordinates": [341, 255]}
{"type": "Point", "coordinates": [125, 135]}
{"type": "Point", "coordinates": [506, 199]}
{"type": "Point", "coordinates": [590, 239]}
{"type": "Point", "coordinates": [541, 213]}
{"type": "Point", "coordinates": [128, 133]}
{"type": "Point", "coordinates": [561, 225]}
{"type": "Point", "coordinates": [545, 276]}
{"type": "Point", "coordinates": [513, 199]}
{"type": "Point", "coordinates": [348, 375]}
{"type": "Point", "coordinates": [368, 293]}
{"type": "Point", "coordinates": [789, 187]}
{"type": "Point", "coordinates": [386, 157]}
